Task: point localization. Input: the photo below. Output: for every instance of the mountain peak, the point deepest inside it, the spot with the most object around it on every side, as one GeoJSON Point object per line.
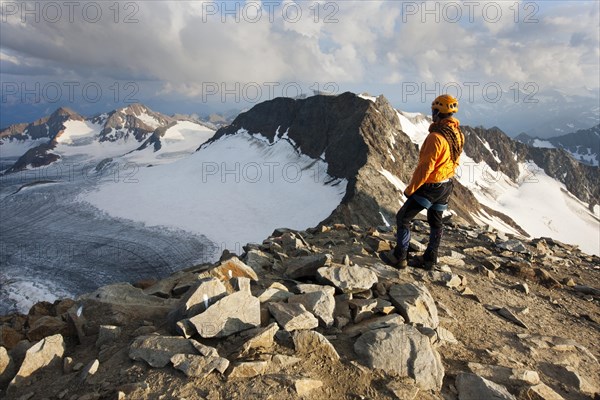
{"type": "Point", "coordinates": [63, 112]}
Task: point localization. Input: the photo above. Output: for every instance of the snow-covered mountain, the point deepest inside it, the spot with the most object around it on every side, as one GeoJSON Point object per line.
{"type": "Point", "coordinates": [583, 145]}
{"type": "Point", "coordinates": [125, 131]}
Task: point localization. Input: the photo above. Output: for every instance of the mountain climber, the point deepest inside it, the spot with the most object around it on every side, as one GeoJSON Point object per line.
{"type": "Point", "coordinates": [431, 184]}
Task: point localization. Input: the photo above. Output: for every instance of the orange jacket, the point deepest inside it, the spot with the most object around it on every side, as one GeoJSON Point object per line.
{"type": "Point", "coordinates": [435, 164]}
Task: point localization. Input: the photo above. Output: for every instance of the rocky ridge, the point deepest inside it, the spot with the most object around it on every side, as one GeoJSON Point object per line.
{"type": "Point", "coordinates": [315, 314]}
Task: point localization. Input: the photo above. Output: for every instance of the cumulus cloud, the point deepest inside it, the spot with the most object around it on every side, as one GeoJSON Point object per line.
{"type": "Point", "coordinates": [183, 45]}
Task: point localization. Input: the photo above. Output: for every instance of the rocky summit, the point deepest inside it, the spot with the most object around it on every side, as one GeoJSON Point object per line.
{"type": "Point", "coordinates": [316, 315]}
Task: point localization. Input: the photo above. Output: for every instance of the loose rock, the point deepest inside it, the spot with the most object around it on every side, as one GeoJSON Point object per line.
{"type": "Point", "coordinates": [403, 350]}
{"type": "Point", "coordinates": [235, 313]}
{"type": "Point", "coordinates": [293, 316]}
{"type": "Point", "coordinates": [415, 304]}
{"type": "Point", "coordinates": [474, 387]}
{"type": "Point", "coordinates": [350, 279]}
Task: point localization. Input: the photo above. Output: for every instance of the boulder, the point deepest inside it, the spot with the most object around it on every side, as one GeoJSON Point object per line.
{"type": "Point", "coordinates": [274, 295]}
{"type": "Point", "coordinates": [293, 316]}
{"type": "Point", "coordinates": [47, 352]}
{"type": "Point", "coordinates": [311, 342]}
{"type": "Point", "coordinates": [158, 350]}
{"type": "Point", "coordinates": [117, 304]}
{"type": "Point", "coordinates": [260, 338]}
{"type": "Point", "coordinates": [402, 350]}
{"type": "Point", "coordinates": [204, 293]}
{"type": "Point", "coordinates": [320, 303]}
{"type": "Point", "coordinates": [108, 334]}
{"type": "Point", "coordinates": [348, 279]}
{"type": "Point", "coordinates": [230, 268]}
{"type": "Point", "coordinates": [307, 266]}
{"type": "Point", "coordinates": [196, 366]}
{"type": "Point", "coordinates": [235, 313]}
{"type": "Point", "coordinates": [363, 308]}
{"type": "Point", "coordinates": [9, 337]}
{"type": "Point", "coordinates": [304, 288]}
{"type": "Point", "coordinates": [7, 367]}
{"type": "Point", "coordinates": [415, 304]}
{"type": "Point", "coordinates": [258, 260]}
{"type": "Point", "coordinates": [47, 326]}
{"type": "Point", "coordinates": [474, 387]}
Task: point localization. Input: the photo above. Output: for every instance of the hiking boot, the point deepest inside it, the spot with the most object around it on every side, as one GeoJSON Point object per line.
{"type": "Point", "coordinates": [399, 261]}
{"type": "Point", "coordinates": [429, 259]}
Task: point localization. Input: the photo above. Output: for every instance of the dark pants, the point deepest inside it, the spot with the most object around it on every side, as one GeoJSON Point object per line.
{"type": "Point", "coordinates": [430, 196]}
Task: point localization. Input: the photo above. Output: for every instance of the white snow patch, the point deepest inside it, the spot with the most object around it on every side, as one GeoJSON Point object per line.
{"type": "Point", "coordinates": [543, 144]}
{"type": "Point", "coordinates": [16, 148]}
{"type": "Point", "coordinates": [367, 97]}
{"type": "Point", "coordinates": [384, 220]}
{"type": "Point", "coordinates": [538, 203]}
{"type": "Point", "coordinates": [234, 191]}
{"type": "Point", "coordinates": [149, 120]}
{"type": "Point", "coordinates": [76, 130]}
{"type": "Point", "coordinates": [394, 180]}
{"type": "Point", "coordinates": [415, 125]}
{"type": "Point", "coordinates": [180, 140]}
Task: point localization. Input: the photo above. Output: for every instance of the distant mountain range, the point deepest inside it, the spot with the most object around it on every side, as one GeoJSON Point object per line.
{"type": "Point", "coordinates": [583, 145]}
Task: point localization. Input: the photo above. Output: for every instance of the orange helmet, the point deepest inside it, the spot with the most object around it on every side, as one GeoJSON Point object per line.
{"type": "Point", "coordinates": [445, 104]}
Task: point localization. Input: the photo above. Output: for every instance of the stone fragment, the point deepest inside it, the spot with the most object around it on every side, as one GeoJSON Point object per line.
{"type": "Point", "coordinates": [474, 387]}
{"type": "Point", "coordinates": [372, 324]}
{"type": "Point", "coordinates": [513, 245]}
{"type": "Point", "coordinates": [7, 367]}
{"type": "Point", "coordinates": [196, 366]}
{"type": "Point", "coordinates": [206, 351]}
{"type": "Point", "coordinates": [305, 386]}
{"type": "Point", "coordinates": [9, 337]}
{"type": "Point", "coordinates": [351, 279]}
{"type": "Point", "coordinates": [377, 244]}
{"type": "Point", "coordinates": [304, 288]}
{"type": "Point", "coordinates": [320, 303]}
{"type": "Point", "coordinates": [403, 350]}
{"type": "Point", "coordinates": [504, 375]}
{"type": "Point", "coordinates": [260, 338]}
{"type": "Point", "coordinates": [158, 350]}
{"type": "Point", "coordinates": [89, 370]}
{"type": "Point", "coordinates": [258, 260]}
{"type": "Point", "coordinates": [311, 342]}
{"type": "Point", "coordinates": [230, 268]}
{"type": "Point", "coordinates": [363, 309]}
{"type": "Point", "coordinates": [107, 334]}
{"type": "Point", "coordinates": [415, 304]}
{"type": "Point", "coordinates": [541, 391]}
{"type": "Point", "coordinates": [274, 295]}
{"type": "Point", "coordinates": [248, 369]}
{"type": "Point", "coordinates": [47, 352]}
{"type": "Point", "coordinates": [521, 287]}
{"type": "Point", "coordinates": [307, 266]}
{"type": "Point", "coordinates": [47, 326]}
{"type": "Point", "coordinates": [293, 316]}
{"type": "Point", "coordinates": [281, 360]}
{"type": "Point", "coordinates": [234, 313]}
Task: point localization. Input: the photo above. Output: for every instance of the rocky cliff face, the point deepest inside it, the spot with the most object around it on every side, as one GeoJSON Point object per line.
{"type": "Point", "coordinates": [504, 154]}
{"type": "Point", "coordinates": [361, 141]}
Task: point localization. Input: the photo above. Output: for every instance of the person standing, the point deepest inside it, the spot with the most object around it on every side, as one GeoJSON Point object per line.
{"type": "Point", "coordinates": [431, 184]}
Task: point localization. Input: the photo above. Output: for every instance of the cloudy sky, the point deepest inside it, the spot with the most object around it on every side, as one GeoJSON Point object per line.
{"type": "Point", "coordinates": [195, 56]}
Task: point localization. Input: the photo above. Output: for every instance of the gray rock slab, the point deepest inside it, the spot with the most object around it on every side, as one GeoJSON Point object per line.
{"type": "Point", "coordinates": [402, 350]}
